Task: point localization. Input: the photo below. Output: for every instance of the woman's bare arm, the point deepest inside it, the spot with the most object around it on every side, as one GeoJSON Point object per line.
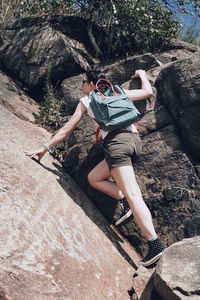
{"type": "Point", "coordinates": [146, 89]}
{"type": "Point", "coordinates": [62, 134]}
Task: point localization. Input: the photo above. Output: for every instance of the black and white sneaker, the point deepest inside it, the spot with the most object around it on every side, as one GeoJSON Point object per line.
{"type": "Point", "coordinates": [154, 253]}
{"type": "Point", "coordinates": [125, 211]}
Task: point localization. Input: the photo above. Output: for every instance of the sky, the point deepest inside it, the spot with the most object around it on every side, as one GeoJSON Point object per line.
{"type": "Point", "coordinates": [190, 20]}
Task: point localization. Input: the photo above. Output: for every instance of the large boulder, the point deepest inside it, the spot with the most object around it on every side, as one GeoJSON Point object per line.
{"type": "Point", "coordinates": [54, 241]}
{"type": "Point", "coordinates": [177, 275]}
{"type": "Point", "coordinates": [175, 44]}
{"type": "Point", "coordinates": [176, 50]}
{"type": "Point", "coordinates": [123, 70]}
{"type": "Point", "coordinates": [15, 100]}
{"type": "Point", "coordinates": [71, 92]}
{"type": "Point", "coordinates": [178, 87]}
{"type": "Point", "coordinates": [49, 48]}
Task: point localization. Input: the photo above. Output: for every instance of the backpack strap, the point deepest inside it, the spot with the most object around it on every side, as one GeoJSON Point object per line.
{"type": "Point", "coordinates": [97, 133]}
{"type": "Point", "coordinates": [103, 85]}
{"type": "Point", "coordinates": [98, 130]}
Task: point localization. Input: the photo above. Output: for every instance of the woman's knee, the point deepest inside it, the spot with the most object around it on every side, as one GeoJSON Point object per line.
{"type": "Point", "coordinates": [100, 173]}
{"type": "Point", "coordinates": [91, 178]}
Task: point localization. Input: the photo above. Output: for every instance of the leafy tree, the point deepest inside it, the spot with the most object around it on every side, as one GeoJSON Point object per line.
{"type": "Point", "coordinates": [8, 8]}
{"type": "Point", "coordinates": [43, 7]}
{"type": "Point", "coordinates": [130, 25]}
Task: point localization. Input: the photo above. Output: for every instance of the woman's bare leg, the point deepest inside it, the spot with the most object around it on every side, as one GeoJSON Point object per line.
{"type": "Point", "coordinates": [124, 177]}
{"type": "Point", "coordinates": [98, 178]}
{"type": "Point", "coordinates": [126, 186]}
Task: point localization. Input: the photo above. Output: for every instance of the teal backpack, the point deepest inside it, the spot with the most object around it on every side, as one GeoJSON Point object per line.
{"type": "Point", "coordinates": [111, 107]}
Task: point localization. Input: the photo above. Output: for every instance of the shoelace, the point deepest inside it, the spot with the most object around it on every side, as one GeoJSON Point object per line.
{"type": "Point", "coordinates": [124, 205]}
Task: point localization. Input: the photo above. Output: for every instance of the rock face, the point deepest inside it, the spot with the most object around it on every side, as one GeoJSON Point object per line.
{"type": "Point", "coordinates": [16, 101]}
{"type": "Point", "coordinates": [46, 48]}
{"type": "Point", "coordinates": [54, 242]}
{"type": "Point", "coordinates": [122, 71]}
{"type": "Point", "coordinates": [71, 92]}
{"type": "Point", "coordinates": [178, 88]}
{"type": "Point", "coordinates": [177, 275]}
{"type": "Point", "coordinates": [177, 44]}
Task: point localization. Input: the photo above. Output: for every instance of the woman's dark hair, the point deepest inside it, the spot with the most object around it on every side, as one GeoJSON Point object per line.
{"type": "Point", "coordinates": [94, 75]}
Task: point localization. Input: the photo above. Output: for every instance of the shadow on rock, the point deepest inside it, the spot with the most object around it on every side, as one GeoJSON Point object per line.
{"type": "Point", "coordinates": [81, 199]}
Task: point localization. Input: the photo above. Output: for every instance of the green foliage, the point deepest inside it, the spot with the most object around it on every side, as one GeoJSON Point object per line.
{"type": "Point", "coordinates": [43, 7]}
{"type": "Point", "coordinates": [145, 25]}
{"type": "Point", "coordinates": [52, 116]}
{"type": "Point", "coordinates": [7, 9]}
{"type": "Point", "coordinates": [52, 109]}
{"type": "Point", "coordinates": [130, 25]}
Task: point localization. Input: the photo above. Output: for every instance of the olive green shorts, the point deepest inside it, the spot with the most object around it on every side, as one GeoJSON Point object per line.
{"type": "Point", "coordinates": [121, 148]}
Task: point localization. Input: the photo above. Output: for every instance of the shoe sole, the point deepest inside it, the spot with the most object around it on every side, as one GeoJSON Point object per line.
{"type": "Point", "coordinates": [151, 261]}
{"type": "Point", "coordinates": [126, 216]}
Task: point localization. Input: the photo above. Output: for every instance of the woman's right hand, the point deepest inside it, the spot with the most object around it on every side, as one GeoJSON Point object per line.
{"type": "Point", "coordinates": [38, 153]}
{"type": "Point", "coordinates": [139, 73]}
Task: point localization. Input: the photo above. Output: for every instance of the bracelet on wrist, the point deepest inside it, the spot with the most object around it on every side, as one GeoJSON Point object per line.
{"type": "Point", "coordinates": [46, 147]}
